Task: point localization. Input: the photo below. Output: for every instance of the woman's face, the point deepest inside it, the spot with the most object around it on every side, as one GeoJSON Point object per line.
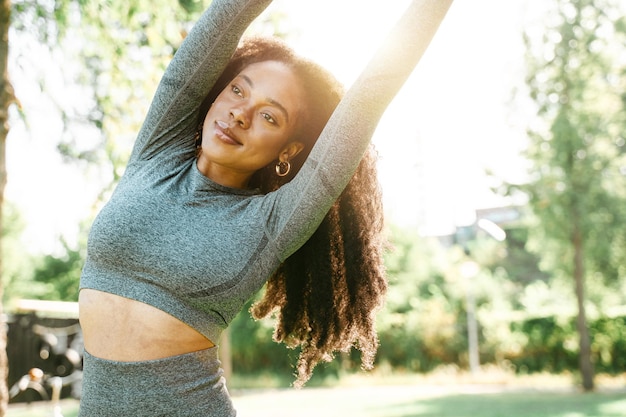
{"type": "Point", "coordinates": [251, 123]}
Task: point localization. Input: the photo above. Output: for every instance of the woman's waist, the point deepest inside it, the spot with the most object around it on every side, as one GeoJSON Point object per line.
{"type": "Point", "coordinates": [121, 329]}
{"type": "Point", "coordinates": [205, 315]}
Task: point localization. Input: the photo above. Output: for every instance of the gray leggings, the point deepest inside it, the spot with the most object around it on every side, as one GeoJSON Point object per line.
{"type": "Point", "coordinates": [189, 385]}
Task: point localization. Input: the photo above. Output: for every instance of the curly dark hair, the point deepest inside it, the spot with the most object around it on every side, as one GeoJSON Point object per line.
{"type": "Point", "coordinates": [325, 296]}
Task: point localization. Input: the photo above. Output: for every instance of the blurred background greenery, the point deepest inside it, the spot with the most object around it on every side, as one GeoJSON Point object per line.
{"type": "Point", "coordinates": [547, 297]}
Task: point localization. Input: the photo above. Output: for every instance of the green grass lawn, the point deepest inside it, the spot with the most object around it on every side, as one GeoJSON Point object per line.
{"type": "Point", "coordinates": [511, 405]}
{"type": "Point", "coordinates": [405, 401]}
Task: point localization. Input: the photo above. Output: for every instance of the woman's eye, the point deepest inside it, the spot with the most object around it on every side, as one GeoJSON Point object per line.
{"type": "Point", "coordinates": [236, 90]}
{"type": "Point", "coordinates": [268, 117]}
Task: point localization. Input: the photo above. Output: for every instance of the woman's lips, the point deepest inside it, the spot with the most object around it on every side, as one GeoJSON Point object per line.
{"type": "Point", "coordinates": [223, 132]}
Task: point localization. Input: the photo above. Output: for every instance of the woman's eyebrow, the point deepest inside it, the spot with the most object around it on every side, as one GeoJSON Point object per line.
{"type": "Point", "coordinates": [271, 101]}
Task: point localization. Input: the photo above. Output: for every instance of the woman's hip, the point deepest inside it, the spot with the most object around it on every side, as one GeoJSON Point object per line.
{"type": "Point", "coordinates": [187, 385]}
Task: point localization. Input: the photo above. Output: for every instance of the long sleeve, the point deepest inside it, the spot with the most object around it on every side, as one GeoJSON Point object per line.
{"type": "Point", "coordinates": [304, 202]}
{"type": "Point", "coordinates": [172, 117]}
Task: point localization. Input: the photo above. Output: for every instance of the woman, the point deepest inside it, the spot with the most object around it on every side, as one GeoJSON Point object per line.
{"type": "Point", "coordinates": [241, 172]}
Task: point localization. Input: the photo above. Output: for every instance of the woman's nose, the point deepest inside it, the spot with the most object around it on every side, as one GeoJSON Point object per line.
{"type": "Point", "coordinates": [240, 116]}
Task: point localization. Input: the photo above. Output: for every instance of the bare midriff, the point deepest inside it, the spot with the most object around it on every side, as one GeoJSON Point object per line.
{"type": "Point", "coordinates": [121, 329]}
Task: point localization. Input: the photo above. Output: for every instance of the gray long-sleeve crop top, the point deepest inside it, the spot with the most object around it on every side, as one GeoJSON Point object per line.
{"type": "Point", "coordinates": [172, 238]}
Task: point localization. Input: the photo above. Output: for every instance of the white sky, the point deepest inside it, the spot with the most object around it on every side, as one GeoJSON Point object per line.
{"type": "Point", "coordinates": [453, 119]}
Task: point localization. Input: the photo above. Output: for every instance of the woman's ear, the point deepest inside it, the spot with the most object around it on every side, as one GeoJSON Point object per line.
{"type": "Point", "coordinates": [290, 151]}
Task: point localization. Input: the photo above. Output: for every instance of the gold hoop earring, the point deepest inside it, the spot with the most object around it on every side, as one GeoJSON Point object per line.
{"type": "Point", "coordinates": [283, 168]}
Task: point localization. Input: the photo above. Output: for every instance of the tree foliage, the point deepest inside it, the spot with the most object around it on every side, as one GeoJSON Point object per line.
{"type": "Point", "coordinates": [115, 52]}
{"type": "Point", "coordinates": [6, 100]}
{"type": "Point", "coordinates": [577, 146]}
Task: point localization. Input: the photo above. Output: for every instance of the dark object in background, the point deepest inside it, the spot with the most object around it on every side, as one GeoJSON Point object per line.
{"type": "Point", "coordinates": [40, 348]}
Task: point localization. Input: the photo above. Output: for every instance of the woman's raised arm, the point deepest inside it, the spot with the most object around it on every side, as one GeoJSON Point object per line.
{"type": "Point", "coordinates": [192, 72]}
{"type": "Point", "coordinates": [342, 143]}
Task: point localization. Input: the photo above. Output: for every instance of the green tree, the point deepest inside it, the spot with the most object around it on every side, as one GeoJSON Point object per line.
{"type": "Point", "coordinates": [6, 99]}
{"type": "Point", "coordinates": [58, 276]}
{"type": "Point", "coordinates": [577, 149]}
{"type": "Point", "coordinates": [16, 262]}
